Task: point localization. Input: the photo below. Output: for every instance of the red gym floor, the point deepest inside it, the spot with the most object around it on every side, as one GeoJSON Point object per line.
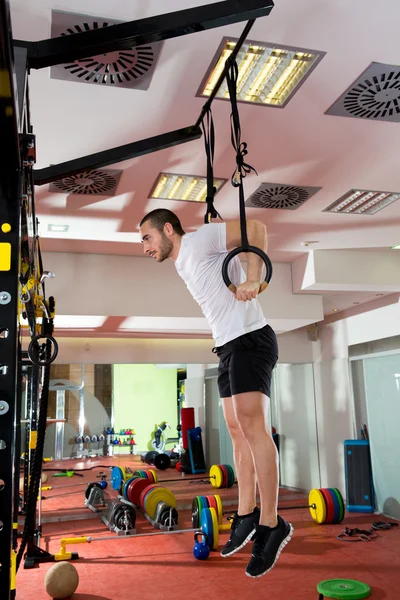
{"type": "Point", "coordinates": [162, 567]}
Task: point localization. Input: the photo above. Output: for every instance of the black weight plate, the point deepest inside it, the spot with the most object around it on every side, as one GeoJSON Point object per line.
{"type": "Point", "coordinates": [162, 462]}
{"type": "Point", "coordinates": [90, 487]}
{"type": "Point", "coordinates": [195, 514]}
{"type": "Point", "coordinates": [168, 517]}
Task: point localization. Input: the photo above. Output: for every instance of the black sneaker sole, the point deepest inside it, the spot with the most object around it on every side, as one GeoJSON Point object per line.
{"type": "Point", "coordinates": [246, 541]}
{"type": "Point", "coordinates": [281, 547]}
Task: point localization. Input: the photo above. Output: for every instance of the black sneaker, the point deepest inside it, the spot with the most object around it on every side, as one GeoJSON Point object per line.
{"type": "Point", "coordinates": [268, 544]}
{"type": "Point", "coordinates": [242, 531]}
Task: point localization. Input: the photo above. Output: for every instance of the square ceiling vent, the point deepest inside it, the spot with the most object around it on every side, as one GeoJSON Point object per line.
{"type": "Point", "coordinates": [133, 68]}
{"type": "Point", "coordinates": [268, 74]}
{"type": "Point", "coordinates": [189, 188]}
{"type": "Point", "coordinates": [362, 202]}
{"type": "Point", "coordinates": [280, 195]}
{"type": "Point", "coordinates": [99, 182]}
{"type": "Point", "coordinates": [375, 95]}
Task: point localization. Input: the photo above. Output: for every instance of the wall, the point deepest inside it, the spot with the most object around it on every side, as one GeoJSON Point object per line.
{"type": "Point", "coordinates": [336, 418]}
{"type": "Point", "coordinates": [144, 396]}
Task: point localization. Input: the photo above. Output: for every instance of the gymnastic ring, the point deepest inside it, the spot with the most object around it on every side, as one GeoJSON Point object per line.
{"type": "Point", "coordinates": [254, 250]}
{"type": "Point", "coordinates": [34, 351]}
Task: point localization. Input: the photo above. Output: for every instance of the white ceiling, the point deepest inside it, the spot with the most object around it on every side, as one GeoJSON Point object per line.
{"type": "Point", "coordinates": [297, 145]}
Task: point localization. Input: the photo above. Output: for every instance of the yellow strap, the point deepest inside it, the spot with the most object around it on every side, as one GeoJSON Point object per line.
{"type": "Point", "coordinates": [13, 568]}
{"type": "Point", "coordinates": [32, 440]}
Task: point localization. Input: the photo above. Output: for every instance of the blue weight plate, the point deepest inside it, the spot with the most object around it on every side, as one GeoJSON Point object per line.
{"type": "Point", "coordinates": [204, 502]}
{"type": "Point", "coordinates": [127, 482]}
{"type": "Point", "coordinates": [336, 517]}
{"type": "Point", "coordinates": [117, 478]}
{"type": "Point", "coordinates": [207, 526]}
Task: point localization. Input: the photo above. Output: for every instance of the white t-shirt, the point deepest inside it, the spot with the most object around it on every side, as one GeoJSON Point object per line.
{"type": "Point", "coordinates": [199, 263]}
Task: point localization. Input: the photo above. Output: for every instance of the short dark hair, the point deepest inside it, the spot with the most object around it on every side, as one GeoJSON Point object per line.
{"type": "Point", "coordinates": [160, 216]}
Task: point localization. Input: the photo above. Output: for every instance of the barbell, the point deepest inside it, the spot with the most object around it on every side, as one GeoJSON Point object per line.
{"type": "Point", "coordinates": [220, 476]}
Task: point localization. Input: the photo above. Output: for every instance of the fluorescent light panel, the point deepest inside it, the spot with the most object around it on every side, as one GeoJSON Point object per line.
{"type": "Point", "coordinates": [362, 202]}
{"type": "Point", "coordinates": [170, 186]}
{"type": "Point", "coordinates": [58, 228]}
{"type": "Point", "coordinates": [268, 74]}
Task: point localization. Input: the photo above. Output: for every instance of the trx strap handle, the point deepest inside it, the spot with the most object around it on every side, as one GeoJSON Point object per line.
{"type": "Point", "coordinates": [242, 169]}
{"type": "Point", "coordinates": [209, 142]}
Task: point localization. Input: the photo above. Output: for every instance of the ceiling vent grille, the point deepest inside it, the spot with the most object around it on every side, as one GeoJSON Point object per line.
{"type": "Point", "coordinates": [375, 95]}
{"type": "Point", "coordinates": [281, 196]}
{"type": "Point", "coordinates": [132, 68]}
{"type": "Point", "coordinates": [362, 202]}
{"type": "Point", "coordinates": [90, 183]}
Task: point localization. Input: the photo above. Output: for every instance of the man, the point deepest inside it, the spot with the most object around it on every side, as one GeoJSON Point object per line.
{"type": "Point", "coordinates": [247, 348]}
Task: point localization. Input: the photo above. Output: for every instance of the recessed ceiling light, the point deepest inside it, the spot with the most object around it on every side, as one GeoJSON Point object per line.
{"type": "Point", "coordinates": [190, 188]}
{"type": "Point", "coordinates": [356, 303]}
{"type": "Point", "coordinates": [379, 294]}
{"type": "Point", "coordinates": [268, 74]}
{"type": "Point", "coordinates": [362, 202]}
{"type": "Point", "coordinates": [59, 228]}
{"type": "Point", "coordinates": [335, 309]}
{"type": "Point", "coordinates": [396, 247]}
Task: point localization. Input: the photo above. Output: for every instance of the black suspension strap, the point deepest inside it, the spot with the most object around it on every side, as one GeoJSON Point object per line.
{"type": "Point", "coordinates": [209, 142]}
{"type": "Point", "coordinates": [242, 169]}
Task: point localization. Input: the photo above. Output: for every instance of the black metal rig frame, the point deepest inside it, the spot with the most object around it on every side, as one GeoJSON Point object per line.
{"type": "Point", "coordinates": [17, 58]}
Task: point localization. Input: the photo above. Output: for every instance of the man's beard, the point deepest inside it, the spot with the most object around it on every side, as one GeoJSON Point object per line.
{"type": "Point", "coordinates": [166, 248]}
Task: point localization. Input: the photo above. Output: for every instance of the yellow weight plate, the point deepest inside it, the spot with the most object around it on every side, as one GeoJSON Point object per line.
{"type": "Point", "coordinates": [317, 505]}
{"type": "Point", "coordinates": [124, 476]}
{"type": "Point", "coordinates": [216, 476]}
{"type": "Point", "coordinates": [157, 495]}
{"type": "Point", "coordinates": [219, 506]}
{"type": "Point", "coordinates": [215, 529]}
{"type": "Point", "coordinates": [154, 473]}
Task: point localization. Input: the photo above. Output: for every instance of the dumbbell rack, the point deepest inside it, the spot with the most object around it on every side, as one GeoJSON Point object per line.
{"type": "Point", "coordinates": [88, 451]}
{"type": "Point", "coordinates": [111, 446]}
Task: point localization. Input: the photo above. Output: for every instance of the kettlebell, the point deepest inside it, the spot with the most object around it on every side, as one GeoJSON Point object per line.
{"type": "Point", "coordinates": [201, 550]}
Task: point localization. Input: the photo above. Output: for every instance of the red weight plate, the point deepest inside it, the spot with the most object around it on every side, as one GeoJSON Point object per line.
{"type": "Point", "coordinates": [225, 475]}
{"type": "Point", "coordinates": [330, 506]}
{"type": "Point", "coordinates": [212, 503]}
{"type": "Point", "coordinates": [135, 489]}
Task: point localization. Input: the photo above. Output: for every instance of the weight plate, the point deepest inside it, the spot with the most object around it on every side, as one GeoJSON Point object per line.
{"type": "Point", "coordinates": [215, 528]}
{"type": "Point", "coordinates": [203, 502]}
{"type": "Point", "coordinates": [228, 476]}
{"type": "Point", "coordinates": [212, 503]}
{"type": "Point", "coordinates": [135, 489]}
{"type": "Point", "coordinates": [154, 475]}
{"type": "Point", "coordinates": [219, 508]}
{"type": "Point", "coordinates": [232, 473]}
{"type": "Point", "coordinates": [336, 505]}
{"type": "Point", "coordinates": [224, 476]}
{"type": "Point", "coordinates": [157, 495]}
{"type": "Point", "coordinates": [169, 517]}
{"type": "Point", "coordinates": [162, 462]}
{"type": "Point", "coordinates": [341, 502]}
{"type": "Point", "coordinates": [145, 493]}
{"type": "Point", "coordinates": [318, 512]}
{"type": "Point", "coordinates": [126, 485]}
{"type": "Point", "coordinates": [344, 589]}
{"type": "Point", "coordinates": [117, 478]}
{"type": "Point", "coordinates": [216, 476]}
{"type": "Point", "coordinates": [195, 513]}
{"type": "Point", "coordinates": [330, 507]}
{"type": "Point", "coordinates": [207, 527]}
{"type": "Point", "coordinates": [89, 489]}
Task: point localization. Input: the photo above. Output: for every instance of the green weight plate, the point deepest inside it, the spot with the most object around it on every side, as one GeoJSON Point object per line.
{"type": "Point", "coordinates": [343, 589]}
{"type": "Point", "coordinates": [335, 499]}
{"type": "Point", "coordinates": [117, 478]}
{"type": "Point", "coordinates": [207, 526]}
{"type": "Point", "coordinates": [232, 475]}
{"type": "Point", "coordinates": [341, 502]}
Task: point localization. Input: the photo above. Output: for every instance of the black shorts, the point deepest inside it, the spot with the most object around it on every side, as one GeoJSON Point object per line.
{"type": "Point", "coordinates": [246, 363]}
